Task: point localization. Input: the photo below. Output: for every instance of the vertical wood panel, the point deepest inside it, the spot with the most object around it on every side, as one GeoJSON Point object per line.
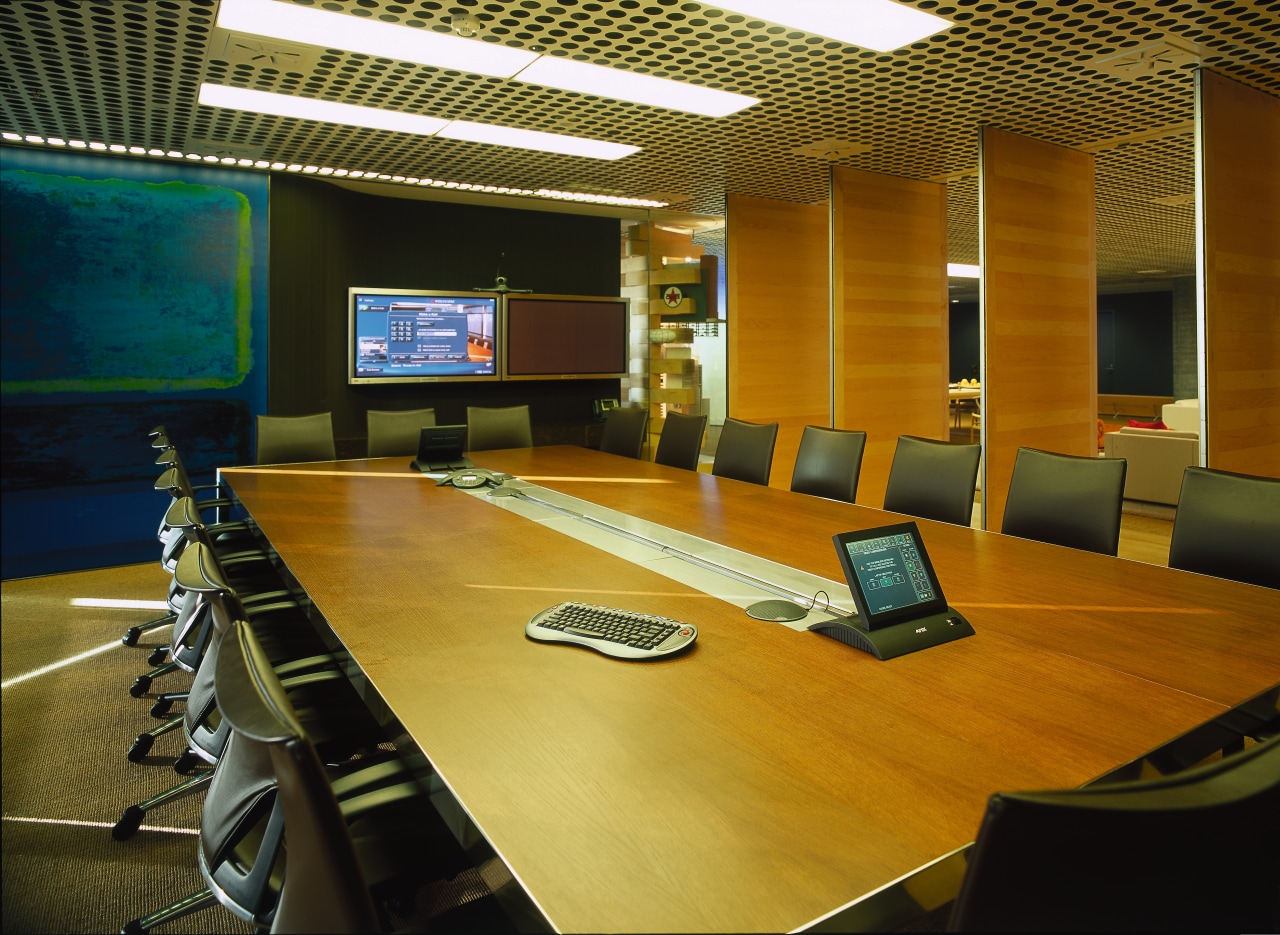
{"type": "Point", "coordinates": [1239, 190]}
{"type": "Point", "coordinates": [779, 323]}
{"type": "Point", "coordinates": [1039, 305]}
{"type": "Point", "coordinates": [889, 283]}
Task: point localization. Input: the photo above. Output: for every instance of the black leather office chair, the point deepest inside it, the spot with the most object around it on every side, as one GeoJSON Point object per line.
{"type": "Point", "coordinates": [681, 441]}
{"type": "Point", "coordinates": [745, 451]}
{"type": "Point", "coordinates": [624, 431]}
{"type": "Point", "coordinates": [828, 463]}
{"type": "Point", "coordinates": [396, 433]}
{"type": "Point", "coordinates": [291, 844]}
{"type": "Point", "coordinates": [507, 427]}
{"type": "Point", "coordinates": [293, 439]}
{"type": "Point", "coordinates": [1192, 851]}
{"type": "Point", "coordinates": [1066, 500]}
{"type": "Point", "coordinates": [933, 479]}
{"type": "Point", "coordinates": [1228, 526]}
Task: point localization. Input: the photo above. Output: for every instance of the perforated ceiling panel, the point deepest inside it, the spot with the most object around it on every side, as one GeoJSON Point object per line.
{"type": "Point", "coordinates": [128, 73]}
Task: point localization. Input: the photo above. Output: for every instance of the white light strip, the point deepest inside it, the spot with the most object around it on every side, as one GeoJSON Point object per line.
{"type": "Point", "coordinates": [568, 75]}
{"type": "Point", "coordinates": [114, 602]}
{"type": "Point", "coordinates": [532, 139]}
{"type": "Point", "coordinates": [883, 25]}
{"type": "Point", "coordinates": [284, 105]}
{"type": "Point", "coordinates": [96, 824]}
{"type": "Point", "coordinates": [305, 108]}
{"type": "Point", "coordinates": [964, 271]}
{"type": "Point", "coordinates": [62, 663]}
{"type": "Point", "coordinates": [360, 34]}
{"type": "Point", "coordinates": [360, 175]}
{"type": "Point", "coordinates": [292, 23]}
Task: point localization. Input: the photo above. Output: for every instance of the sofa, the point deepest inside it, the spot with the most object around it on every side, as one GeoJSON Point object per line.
{"type": "Point", "coordinates": [1182, 415]}
{"type": "Point", "coordinates": [1156, 459]}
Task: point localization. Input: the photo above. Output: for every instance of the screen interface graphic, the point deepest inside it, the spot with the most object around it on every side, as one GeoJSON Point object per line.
{"type": "Point", "coordinates": [890, 572]}
{"type": "Point", "coordinates": [424, 336]}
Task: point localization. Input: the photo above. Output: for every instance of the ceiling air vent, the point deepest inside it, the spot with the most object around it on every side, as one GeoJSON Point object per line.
{"type": "Point", "coordinates": [1149, 59]}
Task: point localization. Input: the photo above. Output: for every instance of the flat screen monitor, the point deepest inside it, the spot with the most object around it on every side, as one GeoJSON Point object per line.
{"type": "Point", "coordinates": [889, 574]}
{"type": "Point", "coordinates": [557, 337]}
{"type": "Point", "coordinates": [422, 336]}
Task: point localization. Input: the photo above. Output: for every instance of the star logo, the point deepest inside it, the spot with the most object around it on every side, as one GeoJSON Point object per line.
{"type": "Point", "coordinates": [673, 296]}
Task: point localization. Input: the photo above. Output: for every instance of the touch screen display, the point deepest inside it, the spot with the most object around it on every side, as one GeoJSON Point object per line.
{"type": "Point", "coordinates": [890, 572]}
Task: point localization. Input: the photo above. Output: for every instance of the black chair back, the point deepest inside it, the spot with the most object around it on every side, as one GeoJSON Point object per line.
{"type": "Point", "coordinates": [745, 451]}
{"type": "Point", "coordinates": [393, 433]}
{"type": "Point", "coordinates": [933, 479]}
{"type": "Point", "coordinates": [828, 463]}
{"type": "Point", "coordinates": [624, 431]}
{"type": "Point", "coordinates": [292, 439]}
{"type": "Point", "coordinates": [1066, 500]}
{"type": "Point", "coordinates": [1192, 851]}
{"type": "Point", "coordinates": [681, 441]}
{"type": "Point", "coordinates": [507, 427]}
{"type": "Point", "coordinates": [1228, 526]}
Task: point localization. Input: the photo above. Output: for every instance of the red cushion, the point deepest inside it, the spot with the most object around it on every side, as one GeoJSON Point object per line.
{"type": "Point", "coordinates": [1135, 424]}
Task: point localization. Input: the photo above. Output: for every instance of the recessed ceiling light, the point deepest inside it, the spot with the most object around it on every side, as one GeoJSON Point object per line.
{"type": "Point", "coordinates": [532, 139]}
{"type": "Point", "coordinates": [358, 34]}
{"type": "Point", "coordinates": [305, 108]}
{"type": "Point", "coordinates": [290, 22]}
{"type": "Point", "coordinates": [963, 270]}
{"type": "Point", "coordinates": [265, 102]}
{"type": "Point", "coordinates": [883, 25]}
{"type": "Point", "coordinates": [568, 75]}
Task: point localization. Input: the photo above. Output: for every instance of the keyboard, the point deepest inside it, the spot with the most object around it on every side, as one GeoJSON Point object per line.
{"type": "Point", "coordinates": [621, 633]}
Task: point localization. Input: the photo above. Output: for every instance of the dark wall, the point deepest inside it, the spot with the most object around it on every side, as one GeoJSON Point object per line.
{"type": "Point", "coordinates": [326, 239]}
{"type": "Point", "coordinates": [965, 343]}
{"type": "Point", "coordinates": [1135, 343]}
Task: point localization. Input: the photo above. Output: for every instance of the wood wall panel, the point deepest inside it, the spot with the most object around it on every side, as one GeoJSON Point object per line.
{"type": "Point", "coordinates": [1039, 305]}
{"type": "Point", "coordinates": [1239, 187]}
{"type": "Point", "coordinates": [779, 320]}
{"type": "Point", "coordinates": [889, 286]}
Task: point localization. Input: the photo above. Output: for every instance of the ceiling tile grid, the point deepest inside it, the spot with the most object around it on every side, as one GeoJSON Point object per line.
{"type": "Point", "coordinates": [128, 73]}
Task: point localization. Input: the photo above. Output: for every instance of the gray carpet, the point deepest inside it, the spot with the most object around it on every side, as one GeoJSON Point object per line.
{"type": "Point", "coordinates": [66, 779]}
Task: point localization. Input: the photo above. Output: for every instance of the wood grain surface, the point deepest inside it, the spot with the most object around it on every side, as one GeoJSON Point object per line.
{"type": "Point", "coordinates": [1039, 306]}
{"type": "Point", "coordinates": [1240, 270]}
{"type": "Point", "coordinates": [889, 288]}
{"type": "Point", "coordinates": [768, 776]}
{"type": "Point", "coordinates": [779, 288]}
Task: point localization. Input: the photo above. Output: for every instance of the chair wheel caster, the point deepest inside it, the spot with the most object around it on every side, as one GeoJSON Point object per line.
{"type": "Point", "coordinates": [158, 655]}
{"type": "Point", "coordinates": [128, 824]}
{"type": "Point", "coordinates": [130, 637]}
{"type": "Point", "coordinates": [161, 707]}
{"type": "Point", "coordinates": [185, 763]}
{"type": "Point", "coordinates": [141, 747]}
{"type": "Point", "coordinates": [140, 686]}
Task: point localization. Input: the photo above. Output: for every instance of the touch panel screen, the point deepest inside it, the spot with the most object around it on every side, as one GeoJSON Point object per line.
{"type": "Point", "coordinates": [889, 573]}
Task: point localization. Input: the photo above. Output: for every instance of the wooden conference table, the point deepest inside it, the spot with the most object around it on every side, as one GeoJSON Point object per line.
{"type": "Point", "coordinates": [768, 778]}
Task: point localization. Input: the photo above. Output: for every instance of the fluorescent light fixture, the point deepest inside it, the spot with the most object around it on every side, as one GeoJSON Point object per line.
{"type": "Point", "coordinates": [358, 34]}
{"type": "Point", "coordinates": [883, 25]}
{"type": "Point", "coordinates": [265, 102]}
{"type": "Point", "coordinates": [287, 21]}
{"type": "Point", "coordinates": [533, 139]}
{"type": "Point", "coordinates": [568, 75]}
{"type": "Point", "coordinates": [963, 271]}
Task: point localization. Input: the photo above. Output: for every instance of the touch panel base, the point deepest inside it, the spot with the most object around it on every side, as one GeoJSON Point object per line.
{"type": "Point", "coordinates": [897, 639]}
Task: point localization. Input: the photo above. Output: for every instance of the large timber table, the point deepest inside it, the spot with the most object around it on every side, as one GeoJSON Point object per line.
{"type": "Point", "coordinates": [768, 779]}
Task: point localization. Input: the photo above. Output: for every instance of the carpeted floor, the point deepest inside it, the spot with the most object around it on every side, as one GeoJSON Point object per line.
{"type": "Point", "coordinates": [64, 773]}
{"type": "Point", "coordinates": [68, 721]}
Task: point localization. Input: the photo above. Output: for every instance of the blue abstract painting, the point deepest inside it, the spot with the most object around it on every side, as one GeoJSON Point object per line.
{"type": "Point", "coordinates": [132, 293]}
